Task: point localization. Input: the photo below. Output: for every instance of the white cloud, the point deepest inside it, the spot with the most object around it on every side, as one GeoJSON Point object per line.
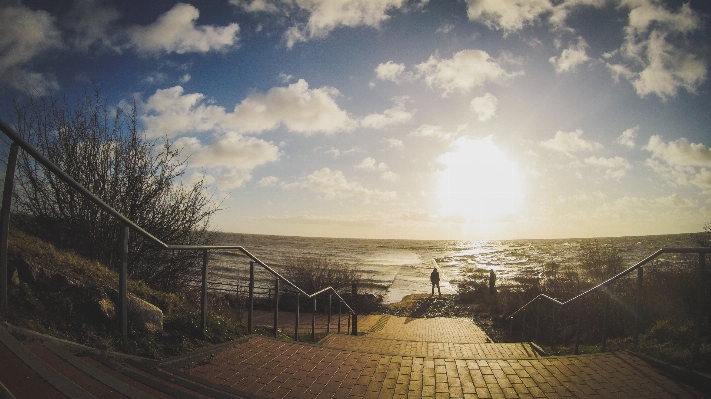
{"type": "Point", "coordinates": [508, 16]}
{"type": "Point", "coordinates": [680, 161]}
{"type": "Point", "coordinates": [485, 106]}
{"type": "Point", "coordinates": [390, 71]}
{"type": "Point", "coordinates": [465, 70]}
{"type": "Point", "coordinates": [627, 137]}
{"type": "Point", "coordinates": [657, 57]}
{"type": "Point", "coordinates": [370, 163]}
{"type": "Point", "coordinates": [390, 176]}
{"type": "Point", "coordinates": [296, 107]}
{"type": "Point", "coordinates": [332, 184]}
{"type": "Point", "coordinates": [569, 142]}
{"type": "Point", "coordinates": [680, 152]}
{"type": "Point", "coordinates": [230, 159]}
{"type": "Point", "coordinates": [327, 15]}
{"type": "Point", "coordinates": [176, 32]}
{"type": "Point", "coordinates": [396, 114]}
{"type": "Point", "coordinates": [256, 5]}
{"type": "Point", "coordinates": [616, 167]}
{"type": "Point", "coordinates": [268, 181]}
{"type": "Point", "coordinates": [25, 35]}
{"type": "Point", "coordinates": [393, 143]}
{"type": "Point", "coordinates": [432, 131]}
{"type": "Point", "coordinates": [571, 57]}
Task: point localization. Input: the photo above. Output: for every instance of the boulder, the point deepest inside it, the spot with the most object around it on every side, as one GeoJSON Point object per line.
{"type": "Point", "coordinates": [145, 316]}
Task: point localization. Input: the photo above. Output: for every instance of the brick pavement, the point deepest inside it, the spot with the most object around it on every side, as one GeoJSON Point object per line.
{"type": "Point", "coordinates": [391, 364]}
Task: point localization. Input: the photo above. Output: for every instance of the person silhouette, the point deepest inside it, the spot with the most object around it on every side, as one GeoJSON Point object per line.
{"type": "Point", "coordinates": [434, 278]}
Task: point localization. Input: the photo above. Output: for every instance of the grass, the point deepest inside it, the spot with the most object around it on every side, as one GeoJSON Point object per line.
{"type": "Point", "coordinates": [56, 292]}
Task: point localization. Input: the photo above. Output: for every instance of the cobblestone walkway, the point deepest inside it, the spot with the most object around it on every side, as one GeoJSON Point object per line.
{"type": "Point", "coordinates": [278, 369]}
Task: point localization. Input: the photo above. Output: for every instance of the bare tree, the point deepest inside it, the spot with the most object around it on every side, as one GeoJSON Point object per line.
{"type": "Point", "coordinates": [105, 151]}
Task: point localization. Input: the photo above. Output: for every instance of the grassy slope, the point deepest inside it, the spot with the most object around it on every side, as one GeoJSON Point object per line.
{"type": "Point", "coordinates": [65, 309]}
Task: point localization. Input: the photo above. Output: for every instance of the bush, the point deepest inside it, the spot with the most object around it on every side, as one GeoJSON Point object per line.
{"type": "Point", "coordinates": [312, 273]}
{"type": "Point", "coordinates": [107, 154]}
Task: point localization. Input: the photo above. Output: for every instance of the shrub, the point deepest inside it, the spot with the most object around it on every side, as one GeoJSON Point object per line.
{"type": "Point", "coordinates": [313, 273]}
{"type": "Point", "coordinates": [107, 153]}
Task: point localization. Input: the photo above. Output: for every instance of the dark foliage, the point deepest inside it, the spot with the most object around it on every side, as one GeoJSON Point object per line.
{"type": "Point", "coordinates": [107, 153]}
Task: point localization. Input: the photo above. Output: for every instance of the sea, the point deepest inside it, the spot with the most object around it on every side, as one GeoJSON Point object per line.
{"type": "Point", "coordinates": [394, 268]}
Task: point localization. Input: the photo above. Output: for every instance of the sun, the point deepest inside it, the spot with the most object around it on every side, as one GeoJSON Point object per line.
{"type": "Point", "coordinates": [478, 183]}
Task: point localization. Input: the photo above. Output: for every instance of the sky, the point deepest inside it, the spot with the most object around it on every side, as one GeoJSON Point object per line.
{"type": "Point", "coordinates": [439, 119]}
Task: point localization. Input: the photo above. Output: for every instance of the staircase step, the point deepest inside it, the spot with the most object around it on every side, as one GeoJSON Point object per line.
{"type": "Point", "coordinates": [452, 350]}
{"type": "Point", "coordinates": [38, 370]}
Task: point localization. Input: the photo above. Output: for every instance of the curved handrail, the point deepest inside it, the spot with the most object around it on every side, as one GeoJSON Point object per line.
{"type": "Point", "coordinates": [646, 260]}
{"type": "Point", "coordinates": [32, 151]}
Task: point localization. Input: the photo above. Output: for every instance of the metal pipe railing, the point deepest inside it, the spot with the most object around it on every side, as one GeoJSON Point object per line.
{"type": "Point", "coordinates": [603, 287]}
{"type": "Point", "coordinates": [128, 224]}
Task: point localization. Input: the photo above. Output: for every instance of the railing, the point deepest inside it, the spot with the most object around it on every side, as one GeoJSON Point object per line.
{"type": "Point", "coordinates": [603, 287]}
{"type": "Point", "coordinates": [18, 142]}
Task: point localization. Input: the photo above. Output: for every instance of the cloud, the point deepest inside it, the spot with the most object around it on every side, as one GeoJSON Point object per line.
{"type": "Point", "coordinates": [332, 184]}
{"type": "Point", "coordinates": [268, 181]}
{"type": "Point", "coordinates": [616, 167]}
{"type": "Point", "coordinates": [465, 70]}
{"type": "Point", "coordinates": [176, 32]}
{"type": "Point", "coordinates": [230, 158]}
{"type": "Point", "coordinates": [393, 143]}
{"type": "Point", "coordinates": [396, 114]}
{"type": "Point", "coordinates": [256, 5]}
{"type": "Point", "coordinates": [485, 106]}
{"type": "Point", "coordinates": [93, 26]}
{"type": "Point", "coordinates": [680, 161]}
{"type": "Point", "coordinates": [390, 176]}
{"type": "Point", "coordinates": [570, 142]}
{"type": "Point", "coordinates": [571, 57]}
{"type": "Point", "coordinates": [370, 163]}
{"type": "Point", "coordinates": [327, 15]}
{"type": "Point", "coordinates": [300, 109]}
{"type": "Point", "coordinates": [432, 131]}
{"type": "Point", "coordinates": [29, 35]}
{"type": "Point", "coordinates": [680, 152]}
{"type": "Point", "coordinates": [627, 137]}
{"type": "Point", "coordinates": [657, 56]}
{"type": "Point", "coordinates": [390, 71]}
{"type": "Point", "coordinates": [508, 16]}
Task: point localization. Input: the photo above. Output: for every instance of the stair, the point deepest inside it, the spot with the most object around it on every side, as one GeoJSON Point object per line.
{"type": "Point", "coordinates": [395, 357]}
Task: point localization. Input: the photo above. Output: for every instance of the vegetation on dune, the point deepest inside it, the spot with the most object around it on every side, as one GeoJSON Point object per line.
{"type": "Point", "coordinates": [105, 151]}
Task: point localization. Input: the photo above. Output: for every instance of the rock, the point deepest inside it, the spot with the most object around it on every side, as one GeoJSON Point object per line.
{"type": "Point", "coordinates": [101, 309]}
{"type": "Point", "coordinates": [146, 316]}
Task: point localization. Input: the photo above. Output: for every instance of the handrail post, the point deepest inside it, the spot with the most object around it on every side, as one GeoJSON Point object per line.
{"type": "Point", "coordinates": [328, 328]}
{"type": "Point", "coordinates": [348, 330]}
{"type": "Point", "coordinates": [700, 307]}
{"type": "Point", "coordinates": [538, 318]}
{"type": "Point", "coordinates": [123, 284]}
{"type": "Point", "coordinates": [276, 308]}
{"type": "Point", "coordinates": [354, 292]}
{"type": "Point", "coordinates": [296, 326]}
{"type": "Point", "coordinates": [313, 321]}
{"type": "Point", "coordinates": [523, 326]}
{"type": "Point", "coordinates": [638, 307]}
{"type": "Point", "coordinates": [203, 308]}
{"type": "Point", "coordinates": [553, 327]}
{"type": "Point", "coordinates": [5, 233]}
{"type": "Point", "coordinates": [604, 320]}
{"type": "Point", "coordinates": [511, 327]}
{"type": "Point", "coordinates": [339, 315]}
{"type": "Point", "coordinates": [250, 301]}
{"type": "Point", "coordinates": [577, 327]}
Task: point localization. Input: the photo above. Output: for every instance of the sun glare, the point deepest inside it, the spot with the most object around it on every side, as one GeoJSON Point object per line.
{"type": "Point", "coordinates": [478, 183]}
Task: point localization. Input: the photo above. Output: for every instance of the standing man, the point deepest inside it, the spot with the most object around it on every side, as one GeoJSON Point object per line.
{"type": "Point", "coordinates": [492, 281]}
{"type": "Point", "coordinates": [434, 278]}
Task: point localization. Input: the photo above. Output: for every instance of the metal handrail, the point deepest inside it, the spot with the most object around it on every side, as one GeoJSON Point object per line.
{"type": "Point", "coordinates": [32, 151]}
{"type": "Point", "coordinates": [701, 251]}
{"type": "Point", "coordinates": [648, 259]}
